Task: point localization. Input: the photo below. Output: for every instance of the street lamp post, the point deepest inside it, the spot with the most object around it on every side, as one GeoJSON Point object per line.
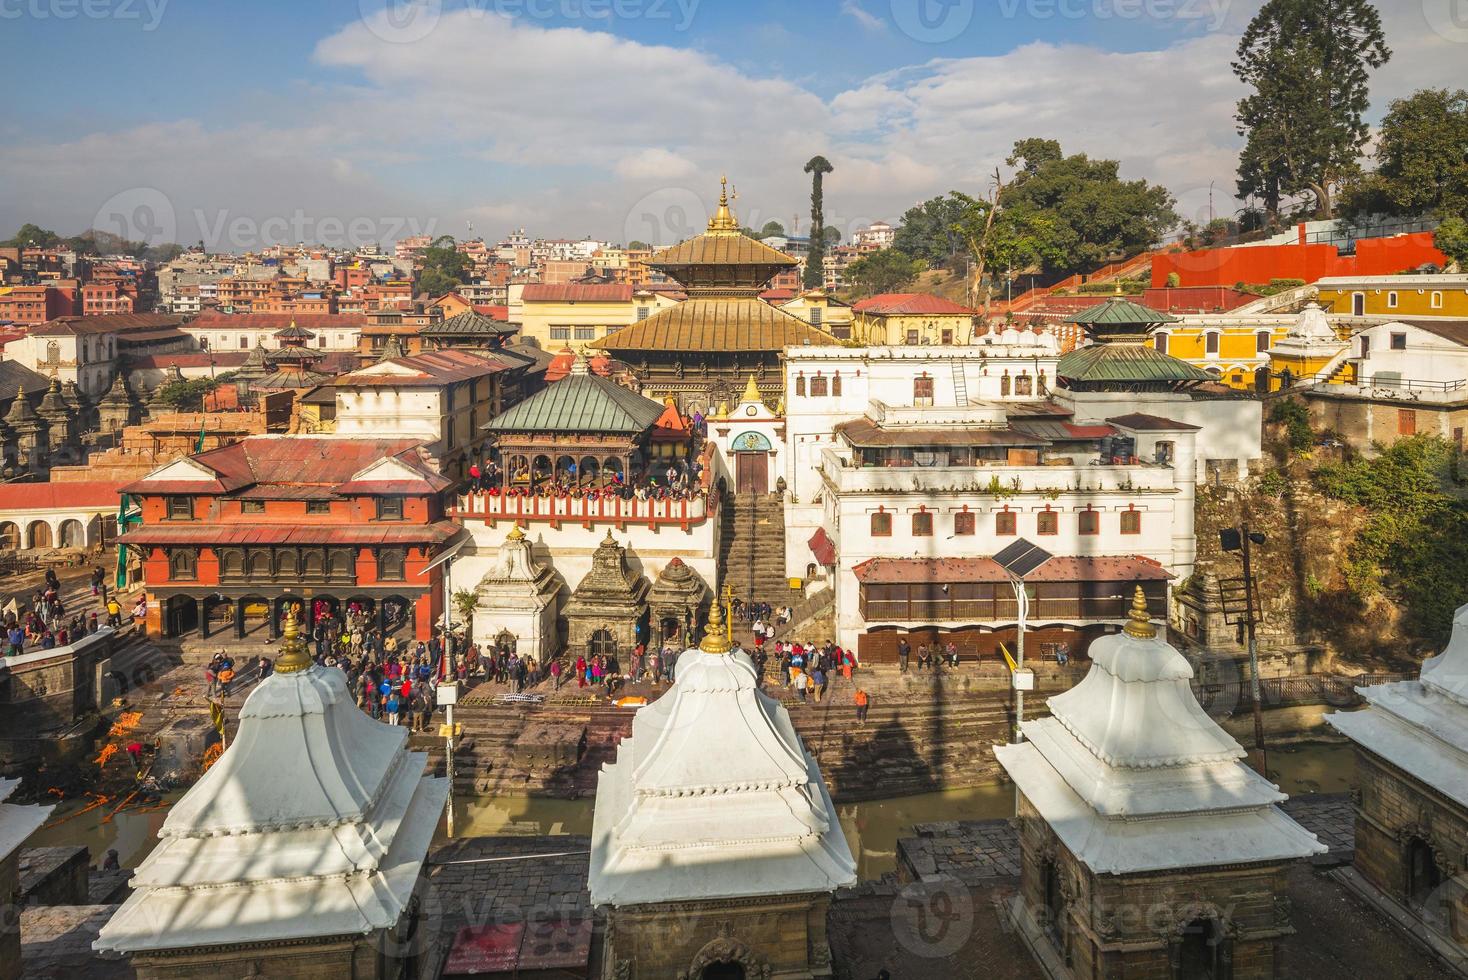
{"type": "Point", "coordinates": [1022, 604]}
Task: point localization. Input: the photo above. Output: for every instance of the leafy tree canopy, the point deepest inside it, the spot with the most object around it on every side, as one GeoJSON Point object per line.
{"type": "Point", "coordinates": [772, 229]}
{"type": "Point", "coordinates": [1308, 63]}
{"type": "Point", "coordinates": [1452, 239]}
{"type": "Point", "coordinates": [1422, 158]}
{"type": "Point", "coordinates": [639, 246]}
{"type": "Point", "coordinates": [444, 268]}
{"type": "Point", "coordinates": [91, 242]}
{"type": "Point", "coordinates": [887, 271]}
{"type": "Point", "coordinates": [929, 232]}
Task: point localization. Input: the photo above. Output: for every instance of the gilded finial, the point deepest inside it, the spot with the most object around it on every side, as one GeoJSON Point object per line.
{"type": "Point", "coordinates": [294, 656]}
{"type": "Point", "coordinates": [751, 392]}
{"type": "Point", "coordinates": [515, 534]}
{"type": "Point", "coordinates": [715, 639]}
{"type": "Point", "coordinates": [1139, 623]}
{"type": "Point", "coordinates": [723, 221]}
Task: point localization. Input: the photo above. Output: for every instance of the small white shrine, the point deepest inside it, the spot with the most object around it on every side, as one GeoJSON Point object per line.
{"type": "Point", "coordinates": [517, 595]}
{"type": "Point", "coordinates": [300, 847]}
{"type": "Point", "coordinates": [1132, 795]}
{"type": "Point", "coordinates": [1412, 807]}
{"type": "Point", "coordinates": [714, 806]}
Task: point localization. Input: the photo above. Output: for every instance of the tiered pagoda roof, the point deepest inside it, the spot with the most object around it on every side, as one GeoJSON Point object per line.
{"type": "Point", "coordinates": [1133, 776]}
{"type": "Point", "coordinates": [1121, 357]}
{"type": "Point", "coordinates": [582, 402]}
{"type": "Point", "coordinates": [723, 271]}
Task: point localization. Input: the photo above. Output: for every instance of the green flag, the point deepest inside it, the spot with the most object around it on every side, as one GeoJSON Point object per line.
{"type": "Point", "coordinates": [202, 420]}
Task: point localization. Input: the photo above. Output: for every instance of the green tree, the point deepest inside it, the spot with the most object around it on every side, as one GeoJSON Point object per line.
{"type": "Point", "coordinates": [815, 259]}
{"type": "Point", "coordinates": [187, 395]}
{"type": "Point", "coordinates": [1308, 62]}
{"type": "Point", "coordinates": [831, 235]}
{"type": "Point", "coordinates": [444, 268]}
{"type": "Point", "coordinates": [1452, 239]}
{"type": "Point", "coordinates": [772, 229]}
{"type": "Point", "coordinates": [30, 234]}
{"type": "Point", "coordinates": [1422, 158]}
{"type": "Point", "coordinates": [929, 232]}
{"type": "Point", "coordinates": [887, 271]}
{"type": "Point", "coordinates": [637, 245]}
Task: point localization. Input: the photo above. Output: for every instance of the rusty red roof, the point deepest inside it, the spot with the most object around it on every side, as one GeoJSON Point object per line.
{"type": "Point", "coordinates": [431, 369]}
{"type": "Point", "coordinates": [89, 495]}
{"type": "Point", "coordinates": [572, 292]}
{"type": "Point", "coordinates": [123, 323]}
{"type": "Point", "coordinates": [292, 461]}
{"type": "Point", "coordinates": [276, 321]}
{"type": "Point", "coordinates": [896, 304]}
{"type": "Point", "coordinates": [292, 534]}
{"type": "Point", "coordinates": [896, 571]}
{"type": "Point", "coordinates": [223, 360]}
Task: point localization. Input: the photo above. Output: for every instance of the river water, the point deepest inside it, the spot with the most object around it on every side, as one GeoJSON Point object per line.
{"type": "Point", "coordinates": [872, 828]}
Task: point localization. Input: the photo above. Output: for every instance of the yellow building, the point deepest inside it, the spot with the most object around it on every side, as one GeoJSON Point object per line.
{"type": "Point", "coordinates": [911, 318]}
{"type": "Point", "coordinates": [1314, 351]}
{"type": "Point", "coordinates": [575, 314]}
{"type": "Point", "coordinates": [821, 310]}
{"type": "Point", "coordinates": [1232, 349]}
{"type": "Point", "coordinates": [1405, 297]}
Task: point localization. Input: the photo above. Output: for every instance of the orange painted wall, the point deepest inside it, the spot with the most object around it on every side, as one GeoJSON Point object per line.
{"type": "Point", "coordinates": [1260, 264]}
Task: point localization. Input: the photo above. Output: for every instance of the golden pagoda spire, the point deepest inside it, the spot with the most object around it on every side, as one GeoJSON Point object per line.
{"type": "Point", "coordinates": [515, 534]}
{"type": "Point", "coordinates": [1139, 623]}
{"type": "Point", "coordinates": [723, 222]}
{"type": "Point", "coordinates": [751, 392]}
{"type": "Point", "coordinates": [715, 638]}
{"type": "Point", "coordinates": [294, 656]}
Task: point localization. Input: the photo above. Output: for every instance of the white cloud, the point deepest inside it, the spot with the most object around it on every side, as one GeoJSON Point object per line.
{"type": "Point", "coordinates": [569, 131]}
{"type": "Point", "coordinates": [655, 163]}
{"type": "Point", "coordinates": [868, 20]}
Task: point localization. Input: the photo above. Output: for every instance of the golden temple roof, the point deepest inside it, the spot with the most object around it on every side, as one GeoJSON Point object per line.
{"type": "Point", "coordinates": [722, 244]}
{"type": "Point", "coordinates": [717, 324]}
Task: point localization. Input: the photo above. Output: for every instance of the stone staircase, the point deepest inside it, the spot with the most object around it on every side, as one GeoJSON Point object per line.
{"type": "Point", "coordinates": [752, 547]}
{"type": "Point", "coordinates": [922, 734]}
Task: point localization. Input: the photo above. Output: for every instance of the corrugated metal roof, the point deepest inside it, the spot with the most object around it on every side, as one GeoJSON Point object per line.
{"type": "Point", "coordinates": [55, 496]}
{"type": "Point", "coordinates": [576, 292]}
{"type": "Point", "coordinates": [865, 432]}
{"type": "Point", "coordinates": [1143, 423]}
{"type": "Point", "coordinates": [894, 304]}
{"type": "Point", "coordinates": [431, 369]}
{"type": "Point", "coordinates": [580, 403]}
{"type": "Point", "coordinates": [105, 323]}
{"type": "Point", "coordinates": [296, 534]}
{"type": "Point", "coordinates": [469, 324]}
{"type": "Point", "coordinates": [292, 461]}
{"type": "Point", "coordinates": [1125, 362]}
{"type": "Point", "coordinates": [898, 571]}
{"type": "Point", "coordinates": [717, 324]}
{"type": "Point", "coordinates": [269, 321]}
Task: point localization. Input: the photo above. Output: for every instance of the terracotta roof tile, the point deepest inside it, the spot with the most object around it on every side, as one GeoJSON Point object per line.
{"type": "Point", "coordinates": [896, 304]}
{"type": "Point", "coordinates": [571, 292]}
{"type": "Point", "coordinates": [57, 496]}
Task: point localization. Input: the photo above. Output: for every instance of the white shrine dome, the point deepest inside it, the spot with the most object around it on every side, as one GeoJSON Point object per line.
{"type": "Point", "coordinates": [1312, 326]}
{"type": "Point", "coordinates": [714, 795]}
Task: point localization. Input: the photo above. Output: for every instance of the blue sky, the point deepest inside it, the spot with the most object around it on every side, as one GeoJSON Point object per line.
{"type": "Point", "coordinates": [245, 122]}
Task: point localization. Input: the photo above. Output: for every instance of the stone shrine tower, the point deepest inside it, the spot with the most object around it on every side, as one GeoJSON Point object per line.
{"type": "Point", "coordinates": [518, 595]}
{"type": "Point", "coordinates": [1132, 798]}
{"type": "Point", "coordinates": [715, 846]}
{"type": "Point", "coordinates": [1412, 808]}
{"type": "Point", "coordinates": [298, 854]}
{"type": "Point", "coordinates": [609, 605]}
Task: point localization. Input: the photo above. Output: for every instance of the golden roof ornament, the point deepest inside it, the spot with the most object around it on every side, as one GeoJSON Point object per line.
{"type": "Point", "coordinates": [515, 534]}
{"type": "Point", "coordinates": [1139, 623]}
{"type": "Point", "coordinates": [294, 657]}
{"type": "Point", "coordinates": [715, 639]}
{"type": "Point", "coordinates": [723, 222]}
{"type": "Point", "coordinates": [751, 392]}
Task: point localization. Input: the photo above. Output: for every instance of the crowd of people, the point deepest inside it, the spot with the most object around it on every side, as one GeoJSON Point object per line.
{"type": "Point", "coordinates": [48, 622]}
{"type": "Point", "coordinates": [679, 480]}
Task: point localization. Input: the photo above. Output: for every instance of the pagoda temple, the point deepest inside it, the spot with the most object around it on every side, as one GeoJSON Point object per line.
{"type": "Point", "coordinates": [1131, 797]}
{"type": "Point", "coordinates": [701, 350]}
{"type": "Point", "coordinates": [1120, 356]}
{"type": "Point", "coordinates": [1412, 804]}
{"type": "Point", "coordinates": [298, 853]}
{"type": "Point", "coordinates": [715, 846]}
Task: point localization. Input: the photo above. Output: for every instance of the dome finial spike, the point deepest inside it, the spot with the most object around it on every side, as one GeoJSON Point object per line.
{"type": "Point", "coordinates": [1139, 624]}
{"type": "Point", "coordinates": [293, 653]}
{"type": "Point", "coordinates": [715, 638]}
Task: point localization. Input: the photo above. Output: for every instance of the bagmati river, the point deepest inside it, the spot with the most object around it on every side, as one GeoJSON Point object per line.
{"type": "Point", "coordinates": [872, 828]}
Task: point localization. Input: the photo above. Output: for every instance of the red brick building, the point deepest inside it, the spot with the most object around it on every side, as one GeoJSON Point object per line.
{"type": "Point", "coordinates": [231, 537]}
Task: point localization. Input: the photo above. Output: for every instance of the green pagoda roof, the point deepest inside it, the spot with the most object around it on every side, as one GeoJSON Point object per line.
{"type": "Point", "coordinates": [1120, 312]}
{"type": "Point", "coordinates": [580, 403]}
{"type": "Point", "coordinates": [469, 324]}
{"type": "Point", "coordinates": [1126, 363]}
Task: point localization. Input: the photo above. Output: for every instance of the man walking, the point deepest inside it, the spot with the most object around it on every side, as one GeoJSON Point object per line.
{"type": "Point", "coordinates": [903, 653]}
{"type": "Point", "coordinates": [862, 700]}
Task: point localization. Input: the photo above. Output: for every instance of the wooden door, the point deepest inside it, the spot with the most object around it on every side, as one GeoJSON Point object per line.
{"type": "Point", "coordinates": [751, 473]}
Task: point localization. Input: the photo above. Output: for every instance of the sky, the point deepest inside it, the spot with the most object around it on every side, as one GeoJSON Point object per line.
{"type": "Point", "coordinates": [344, 122]}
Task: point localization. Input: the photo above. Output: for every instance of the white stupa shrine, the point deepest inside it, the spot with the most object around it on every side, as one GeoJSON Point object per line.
{"type": "Point", "coordinates": [1421, 726]}
{"type": "Point", "coordinates": [1412, 807]}
{"type": "Point", "coordinates": [714, 801]}
{"type": "Point", "coordinates": [1131, 778]}
{"type": "Point", "coordinates": [313, 825]}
